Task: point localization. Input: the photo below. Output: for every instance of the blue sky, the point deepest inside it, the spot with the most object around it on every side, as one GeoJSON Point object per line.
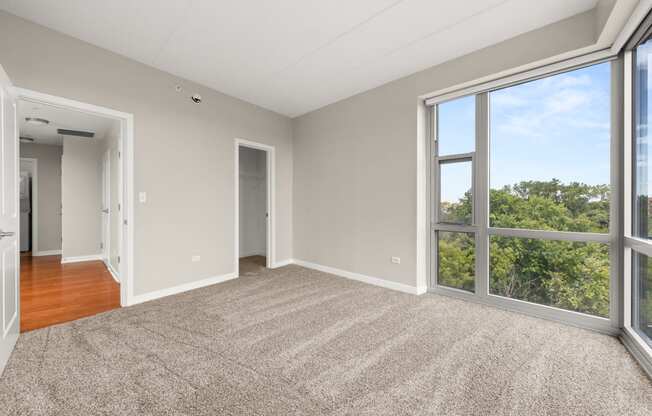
{"type": "Point", "coordinates": [556, 127]}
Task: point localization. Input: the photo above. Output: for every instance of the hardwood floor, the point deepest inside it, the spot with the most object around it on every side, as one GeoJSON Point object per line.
{"type": "Point", "coordinates": [52, 293]}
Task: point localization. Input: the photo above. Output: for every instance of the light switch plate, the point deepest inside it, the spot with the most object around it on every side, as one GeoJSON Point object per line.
{"type": "Point", "coordinates": [142, 197]}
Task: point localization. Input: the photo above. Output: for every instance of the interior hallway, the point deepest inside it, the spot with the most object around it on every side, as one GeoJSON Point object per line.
{"type": "Point", "coordinates": [53, 293]}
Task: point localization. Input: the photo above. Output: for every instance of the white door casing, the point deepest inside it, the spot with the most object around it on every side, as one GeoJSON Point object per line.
{"type": "Point", "coordinates": [271, 202]}
{"type": "Point", "coordinates": [9, 256]}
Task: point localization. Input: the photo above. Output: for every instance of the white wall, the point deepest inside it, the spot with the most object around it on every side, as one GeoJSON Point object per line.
{"type": "Point", "coordinates": [49, 193]}
{"type": "Point", "coordinates": [253, 201]}
{"type": "Point", "coordinates": [355, 161]}
{"type": "Point", "coordinates": [81, 197]}
{"type": "Point", "coordinates": [183, 151]}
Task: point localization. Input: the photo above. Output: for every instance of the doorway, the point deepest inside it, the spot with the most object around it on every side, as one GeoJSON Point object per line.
{"type": "Point", "coordinates": [120, 247]}
{"type": "Point", "coordinates": [98, 161]}
{"type": "Point", "coordinates": [254, 195]}
{"type": "Point", "coordinates": [67, 221]}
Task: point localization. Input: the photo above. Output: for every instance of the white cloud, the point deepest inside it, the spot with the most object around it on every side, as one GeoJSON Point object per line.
{"type": "Point", "coordinates": [565, 101]}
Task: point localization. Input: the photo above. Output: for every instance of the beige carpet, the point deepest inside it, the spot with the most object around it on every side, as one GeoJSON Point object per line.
{"type": "Point", "coordinates": [293, 341]}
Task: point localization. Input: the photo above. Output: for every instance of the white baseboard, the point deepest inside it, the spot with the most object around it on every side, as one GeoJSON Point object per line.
{"type": "Point", "coordinates": [111, 270]}
{"type": "Point", "coordinates": [422, 290]}
{"type": "Point", "coordinates": [376, 281]}
{"type": "Point", "coordinates": [47, 253]}
{"type": "Point", "coordinates": [282, 263]}
{"type": "Point", "coordinates": [78, 259]}
{"type": "Point", "coordinates": [181, 288]}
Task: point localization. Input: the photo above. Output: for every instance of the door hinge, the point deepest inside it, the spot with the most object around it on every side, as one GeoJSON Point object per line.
{"type": "Point", "coordinates": [118, 259]}
{"type": "Point", "coordinates": [125, 222]}
{"type": "Point", "coordinates": [118, 207]}
{"type": "Point", "coordinates": [101, 245]}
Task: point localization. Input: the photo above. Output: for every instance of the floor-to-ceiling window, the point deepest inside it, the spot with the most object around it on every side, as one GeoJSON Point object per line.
{"type": "Point", "coordinates": [642, 201]}
{"type": "Point", "coordinates": [522, 194]}
{"type": "Point", "coordinates": [550, 172]}
{"type": "Point", "coordinates": [454, 212]}
{"type": "Point", "coordinates": [638, 201]}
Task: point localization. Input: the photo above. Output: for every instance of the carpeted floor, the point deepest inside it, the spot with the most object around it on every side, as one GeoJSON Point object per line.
{"type": "Point", "coordinates": [292, 341]}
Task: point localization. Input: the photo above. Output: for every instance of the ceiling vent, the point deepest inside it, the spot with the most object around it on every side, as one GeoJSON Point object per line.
{"type": "Point", "coordinates": [77, 133]}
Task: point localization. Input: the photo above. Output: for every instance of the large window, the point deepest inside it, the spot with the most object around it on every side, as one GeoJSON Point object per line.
{"type": "Point", "coordinates": [550, 171]}
{"type": "Point", "coordinates": [638, 239]}
{"type": "Point", "coordinates": [522, 194]}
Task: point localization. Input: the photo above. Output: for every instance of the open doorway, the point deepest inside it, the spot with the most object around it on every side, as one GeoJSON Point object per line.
{"type": "Point", "coordinates": [69, 214]}
{"type": "Point", "coordinates": [254, 196]}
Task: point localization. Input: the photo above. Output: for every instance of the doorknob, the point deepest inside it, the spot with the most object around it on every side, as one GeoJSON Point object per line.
{"type": "Point", "coordinates": [4, 234]}
{"type": "Point", "coordinates": [105, 210]}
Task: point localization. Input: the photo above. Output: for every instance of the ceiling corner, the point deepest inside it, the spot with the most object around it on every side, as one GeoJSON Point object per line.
{"type": "Point", "coordinates": [611, 18]}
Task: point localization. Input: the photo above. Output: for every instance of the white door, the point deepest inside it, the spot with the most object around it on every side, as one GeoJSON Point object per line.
{"type": "Point", "coordinates": [106, 207]}
{"type": "Point", "coordinates": [9, 260]}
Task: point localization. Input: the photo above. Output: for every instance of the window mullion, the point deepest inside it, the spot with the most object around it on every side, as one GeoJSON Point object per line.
{"type": "Point", "coordinates": [577, 236]}
{"type": "Point", "coordinates": [481, 192]}
{"type": "Point", "coordinates": [463, 157]}
{"type": "Point", "coordinates": [616, 231]}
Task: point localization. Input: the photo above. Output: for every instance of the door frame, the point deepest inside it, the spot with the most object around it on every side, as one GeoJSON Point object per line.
{"type": "Point", "coordinates": [270, 255]}
{"type": "Point", "coordinates": [106, 204]}
{"type": "Point", "coordinates": [126, 180]}
{"type": "Point", "coordinates": [34, 222]}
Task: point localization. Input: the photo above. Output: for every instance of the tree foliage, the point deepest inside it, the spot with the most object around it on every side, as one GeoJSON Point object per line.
{"type": "Point", "coordinates": [568, 275]}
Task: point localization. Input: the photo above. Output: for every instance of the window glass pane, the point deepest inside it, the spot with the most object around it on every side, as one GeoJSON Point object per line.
{"type": "Point", "coordinates": [549, 152]}
{"type": "Point", "coordinates": [642, 112]}
{"type": "Point", "coordinates": [642, 299]}
{"type": "Point", "coordinates": [563, 274]}
{"type": "Point", "coordinates": [456, 126]}
{"type": "Point", "coordinates": [456, 181]}
{"type": "Point", "coordinates": [456, 261]}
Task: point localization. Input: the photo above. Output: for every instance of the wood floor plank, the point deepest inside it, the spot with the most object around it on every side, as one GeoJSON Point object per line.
{"type": "Point", "coordinates": [52, 293]}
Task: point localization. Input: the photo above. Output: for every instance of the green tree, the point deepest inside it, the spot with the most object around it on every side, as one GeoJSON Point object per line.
{"type": "Point", "coordinates": [569, 275]}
